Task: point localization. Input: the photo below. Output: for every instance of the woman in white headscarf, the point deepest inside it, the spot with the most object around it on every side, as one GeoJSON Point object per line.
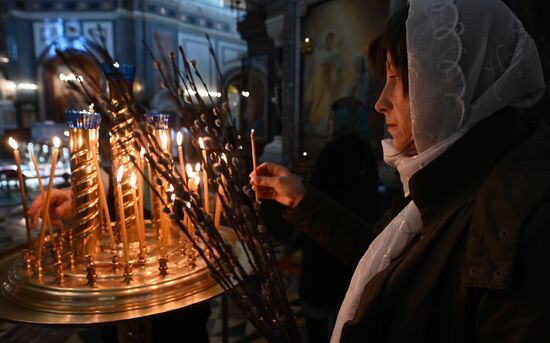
{"type": "Point", "coordinates": [466, 260]}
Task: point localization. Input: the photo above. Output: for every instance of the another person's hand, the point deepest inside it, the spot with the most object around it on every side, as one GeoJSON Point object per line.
{"type": "Point", "coordinates": [61, 207]}
{"type": "Point", "coordinates": [276, 182]}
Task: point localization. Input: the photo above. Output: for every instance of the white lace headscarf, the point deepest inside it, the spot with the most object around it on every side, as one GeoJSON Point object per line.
{"type": "Point", "coordinates": [467, 59]}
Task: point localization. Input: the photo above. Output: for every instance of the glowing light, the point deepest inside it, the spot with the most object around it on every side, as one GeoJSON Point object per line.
{"type": "Point", "coordinates": [116, 65]}
{"type": "Point", "coordinates": [224, 157]}
{"type": "Point", "coordinates": [246, 94]}
{"type": "Point", "coordinates": [197, 167]}
{"type": "Point", "coordinates": [56, 142]}
{"type": "Point", "coordinates": [204, 93]}
{"type": "Point", "coordinates": [179, 138]}
{"type": "Point", "coordinates": [189, 169]}
{"type": "Point", "coordinates": [70, 77]}
{"type": "Point", "coordinates": [304, 153]}
{"type": "Point", "coordinates": [13, 143]}
{"type": "Point", "coordinates": [10, 85]}
{"type": "Point", "coordinates": [201, 143]}
{"type": "Point", "coordinates": [142, 152]}
{"type": "Point", "coordinates": [27, 86]}
{"type": "Point", "coordinates": [4, 59]}
{"type": "Point", "coordinates": [120, 174]}
{"type": "Point", "coordinates": [133, 180]}
{"type": "Point", "coordinates": [170, 188]}
{"type": "Point", "coordinates": [164, 141]}
{"type": "Point", "coordinates": [66, 133]}
{"type": "Point", "coordinates": [306, 40]}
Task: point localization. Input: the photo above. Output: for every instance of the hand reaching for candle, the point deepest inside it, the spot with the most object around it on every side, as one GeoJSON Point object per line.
{"type": "Point", "coordinates": [276, 182]}
{"type": "Point", "coordinates": [61, 207]}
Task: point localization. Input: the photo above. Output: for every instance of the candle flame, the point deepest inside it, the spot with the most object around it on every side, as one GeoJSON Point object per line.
{"type": "Point", "coordinates": [224, 157]}
{"type": "Point", "coordinates": [188, 204]}
{"type": "Point", "coordinates": [179, 138]}
{"type": "Point", "coordinates": [133, 180]}
{"type": "Point", "coordinates": [173, 197]}
{"type": "Point", "coordinates": [171, 188]}
{"type": "Point", "coordinates": [13, 143]}
{"type": "Point", "coordinates": [142, 152]}
{"type": "Point", "coordinates": [252, 132]}
{"type": "Point", "coordinates": [201, 143]}
{"type": "Point", "coordinates": [164, 141]}
{"type": "Point", "coordinates": [189, 169]}
{"type": "Point", "coordinates": [197, 180]}
{"type": "Point", "coordinates": [120, 174]}
{"type": "Point", "coordinates": [198, 167]}
{"type": "Point", "coordinates": [56, 142]}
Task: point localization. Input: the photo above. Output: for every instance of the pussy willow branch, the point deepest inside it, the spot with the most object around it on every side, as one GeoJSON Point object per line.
{"type": "Point", "coordinates": [266, 256]}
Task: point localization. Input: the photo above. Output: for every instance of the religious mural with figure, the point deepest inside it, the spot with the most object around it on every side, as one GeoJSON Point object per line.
{"type": "Point", "coordinates": [334, 64]}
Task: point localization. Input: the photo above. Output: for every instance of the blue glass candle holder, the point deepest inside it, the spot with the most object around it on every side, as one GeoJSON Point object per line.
{"type": "Point", "coordinates": [82, 119]}
{"type": "Point", "coordinates": [159, 121]}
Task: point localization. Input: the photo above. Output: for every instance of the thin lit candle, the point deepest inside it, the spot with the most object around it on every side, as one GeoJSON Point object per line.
{"type": "Point", "coordinates": [103, 204]}
{"type": "Point", "coordinates": [204, 177]}
{"type": "Point", "coordinates": [151, 185]}
{"type": "Point", "coordinates": [191, 180]}
{"type": "Point", "coordinates": [42, 192]}
{"type": "Point", "coordinates": [139, 225]}
{"type": "Point", "coordinates": [179, 140]}
{"type": "Point", "coordinates": [13, 144]}
{"type": "Point", "coordinates": [141, 185]}
{"type": "Point", "coordinates": [122, 220]}
{"type": "Point", "coordinates": [56, 144]}
{"type": "Point", "coordinates": [218, 209]}
{"type": "Point", "coordinates": [253, 145]}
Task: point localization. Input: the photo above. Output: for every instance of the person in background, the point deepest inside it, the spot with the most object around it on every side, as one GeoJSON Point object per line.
{"type": "Point", "coordinates": [465, 259]}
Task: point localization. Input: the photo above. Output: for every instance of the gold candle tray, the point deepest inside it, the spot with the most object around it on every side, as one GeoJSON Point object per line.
{"type": "Point", "coordinates": [26, 299]}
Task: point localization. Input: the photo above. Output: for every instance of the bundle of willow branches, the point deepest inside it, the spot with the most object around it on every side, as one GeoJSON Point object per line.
{"type": "Point", "coordinates": [254, 283]}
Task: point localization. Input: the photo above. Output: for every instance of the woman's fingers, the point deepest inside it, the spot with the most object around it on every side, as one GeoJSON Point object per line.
{"type": "Point", "coordinates": [34, 211]}
{"type": "Point", "coordinates": [270, 169]}
{"type": "Point", "coordinates": [60, 207]}
{"type": "Point", "coordinates": [264, 181]}
{"type": "Point", "coordinates": [265, 192]}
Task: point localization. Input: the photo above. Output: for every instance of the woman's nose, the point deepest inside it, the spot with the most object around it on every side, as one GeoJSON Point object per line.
{"type": "Point", "coordinates": [383, 104]}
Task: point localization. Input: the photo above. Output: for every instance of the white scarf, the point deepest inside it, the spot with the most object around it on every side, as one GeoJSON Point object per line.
{"type": "Point", "coordinates": [462, 69]}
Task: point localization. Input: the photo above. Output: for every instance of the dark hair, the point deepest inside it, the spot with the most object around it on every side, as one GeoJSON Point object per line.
{"type": "Point", "coordinates": [393, 41]}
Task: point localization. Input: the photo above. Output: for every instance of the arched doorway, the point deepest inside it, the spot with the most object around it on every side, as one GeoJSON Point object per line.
{"type": "Point", "coordinates": [53, 75]}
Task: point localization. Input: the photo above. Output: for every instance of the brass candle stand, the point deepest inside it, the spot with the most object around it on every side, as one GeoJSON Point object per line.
{"type": "Point", "coordinates": [123, 144]}
{"type": "Point", "coordinates": [83, 144]}
{"type": "Point", "coordinates": [168, 235]}
{"type": "Point", "coordinates": [133, 275]}
{"type": "Point", "coordinates": [80, 278]}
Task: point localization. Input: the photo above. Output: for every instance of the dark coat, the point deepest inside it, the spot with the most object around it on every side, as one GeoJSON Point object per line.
{"type": "Point", "coordinates": [478, 270]}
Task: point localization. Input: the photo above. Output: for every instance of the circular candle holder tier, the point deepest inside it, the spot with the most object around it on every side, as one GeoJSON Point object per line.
{"type": "Point", "coordinates": [26, 298]}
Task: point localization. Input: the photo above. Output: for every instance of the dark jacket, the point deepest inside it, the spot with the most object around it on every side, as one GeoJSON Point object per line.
{"type": "Point", "coordinates": [478, 270]}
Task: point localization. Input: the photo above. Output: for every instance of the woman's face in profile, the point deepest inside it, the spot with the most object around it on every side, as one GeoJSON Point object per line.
{"type": "Point", "coordinates": [395, 106]}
